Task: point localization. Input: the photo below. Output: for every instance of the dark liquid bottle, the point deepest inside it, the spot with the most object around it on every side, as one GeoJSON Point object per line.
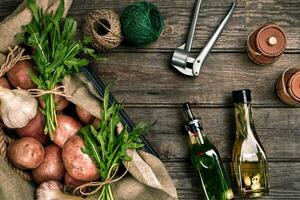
{"type": "Point", "coordinates": [206, 160]}
{"type": "Point", "coordinates": [249, 157]}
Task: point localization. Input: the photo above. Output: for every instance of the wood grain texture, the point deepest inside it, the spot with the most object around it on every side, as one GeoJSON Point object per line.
{"type": "Point", "coordinates": [284, 181]}
{"type": "Point", "coordinates": [278, 130]}
{"type": "Point", "coordinates": [152, 90]}
{"type": "Point", "coordinates": [148, 78]}
{"type": "Point", "coordinates": [248, 15]}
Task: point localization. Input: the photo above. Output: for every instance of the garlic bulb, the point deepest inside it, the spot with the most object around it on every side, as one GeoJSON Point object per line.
{"type": "Point", "coordinates": [53, 190]}
{"type": "Point", "coordinates": [17, 107]}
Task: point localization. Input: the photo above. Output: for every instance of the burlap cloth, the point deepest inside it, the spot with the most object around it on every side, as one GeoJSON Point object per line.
{"type": "Point", "coordinates": [147, 178]}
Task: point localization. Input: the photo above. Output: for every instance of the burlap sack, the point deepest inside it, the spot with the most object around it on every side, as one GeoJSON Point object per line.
{"type": "Point", "coordinates": [148, 178]}
{"type": "Point", "coordinates": [12, 186]}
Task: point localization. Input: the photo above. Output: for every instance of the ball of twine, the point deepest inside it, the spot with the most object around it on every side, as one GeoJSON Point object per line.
{"type": "Point", "coordinates": [142, 23]}
{"type": "Point", "coordinates": [105, 29]}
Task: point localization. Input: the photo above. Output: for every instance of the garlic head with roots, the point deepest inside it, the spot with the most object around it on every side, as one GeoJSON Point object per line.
{"type": "Point", "coordinates": [17, 107]}
{"type": "Point", "coordinates": [51, 190]}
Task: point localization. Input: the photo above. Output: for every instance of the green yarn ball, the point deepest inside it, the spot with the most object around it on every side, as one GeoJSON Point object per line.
{"type": "Point", "coordinates": [141, 23]}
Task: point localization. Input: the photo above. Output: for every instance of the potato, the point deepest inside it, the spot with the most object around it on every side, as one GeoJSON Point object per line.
{"type": "Point", "coordinates": [60, 103]}
{"type": "Point", "coordinates": [52, 167]}
{"type": "Point", "coordinates": [67, 127]}
{"type": "Point", "coordinates": [84, 116]}
{"type": "Point", "coordinates": [4, 83]}
{"type": "Point", "coordinates": [25, 153]}
{"type": "Point", "coordinates": [72, 182]}
{"type": "Point", "coordinates": [34, 128]}
{"type": "Point", "coordinates": [19, 76]}
{"type": "Point", "coordinates": [78, 164]}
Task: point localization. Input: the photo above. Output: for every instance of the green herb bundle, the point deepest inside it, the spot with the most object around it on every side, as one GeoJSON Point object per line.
{"type": "Point", "coordinates": [106, 147]}
{"type": "Point", "coordinates": [56, 54]}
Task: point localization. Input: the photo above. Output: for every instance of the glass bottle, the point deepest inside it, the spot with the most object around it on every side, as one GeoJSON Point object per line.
{"type": "Point", "coordinates": [249, 157]}
{"type": "Point", "coordinates": [206, 160]}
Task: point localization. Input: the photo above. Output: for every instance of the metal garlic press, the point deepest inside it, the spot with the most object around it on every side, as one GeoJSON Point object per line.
{"type": "Point", "coordinates": [182, 60]}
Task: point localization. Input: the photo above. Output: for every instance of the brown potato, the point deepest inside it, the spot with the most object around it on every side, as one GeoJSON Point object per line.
{"type": "Point", "coordinates": [84, 116]}
{"type": "Point", "coordinates": [78, 164]}
{"type": "Point", "coordinates": [52, 167]}
{"type": "Point", "coordinates": [67, 127]}
{"type": "Point", "coordinates": [34, 128]}
{"type": "Point", "coordinates": [25, 153]}
{"type": "Point", "coordinates": [19, 76]}
{"type": "Point", "coordinates": [72, 182]}
{"type": "Point", "coordinates": [60, 103]}
{"type": "Point", "coordinates": [4, 83]}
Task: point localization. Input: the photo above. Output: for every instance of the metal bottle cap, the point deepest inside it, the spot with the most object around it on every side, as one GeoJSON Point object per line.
{"type": "Point", "coordinates": [241, 96]}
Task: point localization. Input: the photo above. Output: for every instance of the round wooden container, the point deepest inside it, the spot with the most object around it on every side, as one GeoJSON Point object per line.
{"type": "Point", "coordinates": [266, 44]}
{"type": "Point", "coordinates": [288, 87]}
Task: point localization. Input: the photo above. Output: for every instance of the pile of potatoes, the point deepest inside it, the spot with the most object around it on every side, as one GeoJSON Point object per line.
{"type": "Point", "coordinates": [61, 159]}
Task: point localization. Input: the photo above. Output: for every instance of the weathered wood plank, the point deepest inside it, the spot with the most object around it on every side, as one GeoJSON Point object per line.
{"type": "Point", "coordinates": [285, 180]}
{"type": "Point", "coordinates": [277, 128]}
{"type": "Point", "coordinates": [148, 78]}
{"type": "Point", "coordinates": [248, 15]}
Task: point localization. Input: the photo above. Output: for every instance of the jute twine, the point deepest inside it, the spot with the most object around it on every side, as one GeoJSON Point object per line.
{"type": "Point", "coordinates": [15, 55]}
{"type": "Point", "coordinates": [105, 29]}
{"type": "Point", "coordinates": [4, 142]}
{"type": "Point", "coordinates": [97, 186]}
{"type": "Point", "coordinates": [59, 90]}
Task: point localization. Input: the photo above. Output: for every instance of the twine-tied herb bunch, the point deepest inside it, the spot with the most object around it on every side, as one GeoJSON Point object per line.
{"type": "Point", "coordinates": [55, 53]}
{"type": "Point", "coordinates": [108, 147]}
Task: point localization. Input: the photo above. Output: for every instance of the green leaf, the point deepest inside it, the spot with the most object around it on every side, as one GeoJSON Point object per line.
{"type": "Point", "coordinates": [90, 144]}
{"type": "Point", "coordinates": [127, 158]}
{"type": "Point", "coordinates": [60, 10]}
{"type": "Point", "coordinates": [31, 4]}
{"type": "Point", "coordinates": [76, 63]}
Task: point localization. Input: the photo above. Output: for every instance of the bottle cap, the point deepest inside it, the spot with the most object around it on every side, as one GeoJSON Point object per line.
{"type": "Point", "coordinates": [271, 40]}
{"type": "Point", "coordinates": [241, 96]}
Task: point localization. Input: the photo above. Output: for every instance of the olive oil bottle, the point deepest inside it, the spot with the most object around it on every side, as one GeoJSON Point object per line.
{"type": "Point", "coordinates": [206, 160]}
{"type": "Point", "coordinates": [249, 158]}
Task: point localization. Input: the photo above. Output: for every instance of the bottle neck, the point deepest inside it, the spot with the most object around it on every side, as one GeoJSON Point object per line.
{"type": "Point", "coordinates": [196, 132]}
{"type": "Point", "coordinates": [243, 119]}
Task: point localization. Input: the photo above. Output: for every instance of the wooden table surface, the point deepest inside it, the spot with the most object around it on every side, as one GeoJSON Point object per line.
{"type": "Point", "coordinates": [152, 90]}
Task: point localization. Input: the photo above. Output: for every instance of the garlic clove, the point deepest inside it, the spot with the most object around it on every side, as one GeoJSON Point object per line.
{"type": "Point", "coordinates": [256, 179]}
{"type": "Point", "coordinates": [247, 181]}
{"type": "Point", "coordinates": [255, 186]}
{"type": "Point", "coordinates": [256, 182]}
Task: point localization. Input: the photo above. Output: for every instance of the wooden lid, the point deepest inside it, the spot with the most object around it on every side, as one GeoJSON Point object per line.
{"type": "Point", "coordinates": [294, 85]}
{"type": "Point", "coordinates": [271, 40]}
{"type": "Point", "coordinates": [283, 91]}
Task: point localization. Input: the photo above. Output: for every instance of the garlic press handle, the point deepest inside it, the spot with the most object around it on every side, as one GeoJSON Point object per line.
{"type": "Point", "coordinates": [202, 56]}
{"type": "Point", "coordinates": [193, 25]}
